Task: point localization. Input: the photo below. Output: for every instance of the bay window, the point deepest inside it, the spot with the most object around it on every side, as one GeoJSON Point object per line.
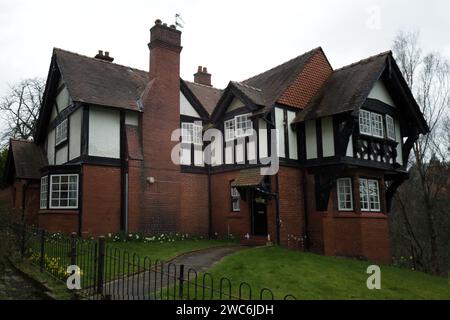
{"type": "Point", "coordinates": [44, 193]}
{"type": "Point", "coordinates": [377, 125]}
{"type": "Point", "coordinates": [64, 191]}
{"type": "Point", "coordinates": [370, 195]}
{"type": "Point", "coordinates": [390, 127]}
{"type": "Point", "coordinates": [345, 194]}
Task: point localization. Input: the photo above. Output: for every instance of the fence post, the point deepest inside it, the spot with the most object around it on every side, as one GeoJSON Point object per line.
{"type": "Point", "coordinates": [23, 236]}
{"type": "Point", "coordinates": [181, 282]}
{"type": "Point", "coordinates": [101, 264]}
{"type": "Point", "coordinates": [73, 249]}
{"type": "Point", "coordinates": [42, 257]}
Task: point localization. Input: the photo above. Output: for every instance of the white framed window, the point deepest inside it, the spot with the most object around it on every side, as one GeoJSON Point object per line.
{"type": "Point", "coordinates": [197, 131]}
{"type": "Point", "coordinates": [364, 195]}
{"type": "Point", "coordinates": [64, 191]}
{"type": "Point", "coordinates": [186, 132]}
{"type": "Point", "coordinates": [370, 195]}
{"type": "Point", "coordinates": [390, 127]}
{"type": "Point", "coordinates": [191, 133]}
{"type": "Point", "coordinates": [364, 122]}
{"type": "Point", "coordinates": [61, 132]}
{"type": "Point", "coordinates": [345, 194]}
{"type": "Point", "coordinates": [377, 125]}
{"type": "Point", "coordinates": [235, 200]}
{"type": "Point", "coordinates": [229, 126]}
{"type": "Point", "coordinates": [244, 125]}
{"type": "Point", "coordinates": [44, 193]}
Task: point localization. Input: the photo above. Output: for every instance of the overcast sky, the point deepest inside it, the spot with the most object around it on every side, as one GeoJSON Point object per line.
{"type": "Point", "coordinates": [235, 39]}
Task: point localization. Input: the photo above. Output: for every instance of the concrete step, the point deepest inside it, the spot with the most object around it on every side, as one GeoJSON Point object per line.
{"type": "Point", "coordinates": [254, 241]}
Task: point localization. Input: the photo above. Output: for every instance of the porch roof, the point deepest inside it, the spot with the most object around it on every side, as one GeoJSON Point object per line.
{"type": "Point", "coordinates": [248, 178]}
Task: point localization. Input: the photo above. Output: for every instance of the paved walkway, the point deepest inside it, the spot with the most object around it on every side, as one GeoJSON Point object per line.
{"type": "Point", "coordinates": [148, 285]}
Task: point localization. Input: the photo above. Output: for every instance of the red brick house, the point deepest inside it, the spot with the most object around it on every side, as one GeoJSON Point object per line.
{"type": "Point", "coordinates": [340, 138]}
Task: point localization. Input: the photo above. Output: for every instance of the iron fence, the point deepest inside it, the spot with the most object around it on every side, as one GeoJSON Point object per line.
{"type": "Point", "coordinates": [110, 273]}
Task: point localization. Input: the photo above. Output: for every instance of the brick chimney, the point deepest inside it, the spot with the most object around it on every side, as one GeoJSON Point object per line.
{"type": "Point", "coordinates": [160, 177]}
{"type": "Point", "coordinates": [202, 76]}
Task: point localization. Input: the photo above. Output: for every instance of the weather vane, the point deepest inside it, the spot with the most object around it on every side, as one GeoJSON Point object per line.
{"type": "Point", "coordinates": [179, 22]}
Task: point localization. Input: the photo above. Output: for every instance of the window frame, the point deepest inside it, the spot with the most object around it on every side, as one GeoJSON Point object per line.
{"type": "Point", "coordinates": [59, 190]}
{"type": "Point", "coordinates": [244, 131]}
{"type": "Point", "coordinates": [338, 193]}
{"type": "Point", "coordinates": [229, 131]}
{"type": "Point", "coordinates": [64, 127]}
{"type": "Point", "coordinates": [369, 196]}
{"type": "Point", "coordinates": [361, 124]}
{"type": "Point", "coordinates": [390, 121]}
{"type": "Point", "coordinates": [234, 128]}
{"type": "Point", "coordinates": [195, 133]}
{"type": "Point", "coordinates": [235, 198]}
{"type": "Point", "coordinates": [43, 191]}
{"type": "Point", "coordinates": [380, 129]}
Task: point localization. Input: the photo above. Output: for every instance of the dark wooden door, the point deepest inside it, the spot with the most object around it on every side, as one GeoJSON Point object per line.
{"type": "Point", "coordinates": [259, 216]}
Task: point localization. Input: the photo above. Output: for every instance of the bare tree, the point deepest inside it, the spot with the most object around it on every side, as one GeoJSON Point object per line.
{"type": "Point", "coordinates": [428, 76]}
{"type": "Point", "coordinates": [20, 108]}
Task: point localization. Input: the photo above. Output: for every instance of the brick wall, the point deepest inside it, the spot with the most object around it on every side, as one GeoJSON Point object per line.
{"type": "Point", "coordinates": [194, 204]}
{"type": "Point", "coordinates": [59, 221]}
{"type": "Point", "coordinates": [291, 207]}
{"type": "Point", "coordinates": [101, 200]}
{"type": "Point", "coordinates": [308, 82]}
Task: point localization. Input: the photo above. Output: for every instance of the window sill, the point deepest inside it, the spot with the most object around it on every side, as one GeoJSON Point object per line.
{"type": "Point", "coordinates": [363, 214]}
{"type": "Point", "coordinates": [60, 211]}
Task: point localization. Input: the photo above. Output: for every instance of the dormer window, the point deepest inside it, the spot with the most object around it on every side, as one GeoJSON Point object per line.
{"type": "Point", "coordinates": [377, 125]}
{"type": "Point", "coordinates": [238, 127]}
{"type": "Point", "coordinates": [61, 133]}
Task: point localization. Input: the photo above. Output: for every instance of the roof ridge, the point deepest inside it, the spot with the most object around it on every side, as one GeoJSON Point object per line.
{"type": "Point", "coordinates": [98, 60]}
{"type": "Point", "coordinates": [247, 86]}
{"type": "Point", "coordinates": [281, 64]}
{"type": "Point", "coordinates": [365, 60]}
{"type": "Point", "coordinates": [202, 85]}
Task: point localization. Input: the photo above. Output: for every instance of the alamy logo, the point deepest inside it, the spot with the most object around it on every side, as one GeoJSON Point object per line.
{"type": "Point", "coordinates": [374, 280]}
{"type": "Point", "coordinates": [215, 144]}
{"type": "Point", "coordinates": [74, 279]}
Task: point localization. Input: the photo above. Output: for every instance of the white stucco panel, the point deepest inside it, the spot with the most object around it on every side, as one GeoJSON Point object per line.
{"type": "Point", "coordinates": [104, 133]}
{"type": "Point", "coordinates": [327, 137]}
{"type": "Point", "coordinates": [186, 108]}
{"type": "Point", "coordinates": [380, 92]}
{"type": "Point", "coordinates": [262, 139]}
{"type": "Point", "coordinates": [279, 125]}
{"type": "Point", "coordinates": [51, 147]}
{"type": "Point", "coordinates": [235, 104]}
{"type": "Point", "coordinates": [311, 139]}
{"type": "Point", "coordinates": [75, 134]}
{"type": "Point", "coordinates": [292, 135]}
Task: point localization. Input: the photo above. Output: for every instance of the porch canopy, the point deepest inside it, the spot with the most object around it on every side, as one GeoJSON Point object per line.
{"type": "Point", "coordinates": [248, 178]}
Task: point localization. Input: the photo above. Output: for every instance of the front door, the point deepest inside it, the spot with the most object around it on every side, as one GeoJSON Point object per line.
{"type": "Point", "coordinates": [259, 216]}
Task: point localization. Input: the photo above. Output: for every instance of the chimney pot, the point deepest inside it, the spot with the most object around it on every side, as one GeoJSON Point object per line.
{"type": "Point", "coordinates": [199, 69]}
{"type": "Point", "coordinates": [104, 57]}
{"type": "Point", "coordinates": [205, 70]}
{"type": "Point", "coordinates": [158, 21]}
{"type": "Point", "coordinates": [173, 26]}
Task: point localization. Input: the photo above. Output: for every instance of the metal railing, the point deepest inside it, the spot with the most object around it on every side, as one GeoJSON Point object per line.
{"type": "Point", "coordinates": [107, 272]}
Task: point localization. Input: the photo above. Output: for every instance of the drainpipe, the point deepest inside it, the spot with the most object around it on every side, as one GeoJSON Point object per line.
{"type": "Point", "coordinates": [305, 204]}
{"type": "Point", "coordinates": [277, 218]}
{"type": "Point", "coordinates": [210, 235]}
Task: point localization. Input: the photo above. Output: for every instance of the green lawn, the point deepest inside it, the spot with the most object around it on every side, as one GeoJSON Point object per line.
{"type": "Point", "coordinates": [310, 276]}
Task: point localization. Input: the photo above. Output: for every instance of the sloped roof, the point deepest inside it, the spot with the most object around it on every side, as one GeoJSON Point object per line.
{"type": "Point", "coordinates": [346, 89]}
{"type": "Point", "coordinates": [100, 82]}
{"type": "Point", "coordinates": [28, 159]}
{"type": "Point", "coordinates": [207, 96]}
{"type": "Point", "coordinates": [254, 94]}
{"type": "Point", "coordinates": [275, 81]}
